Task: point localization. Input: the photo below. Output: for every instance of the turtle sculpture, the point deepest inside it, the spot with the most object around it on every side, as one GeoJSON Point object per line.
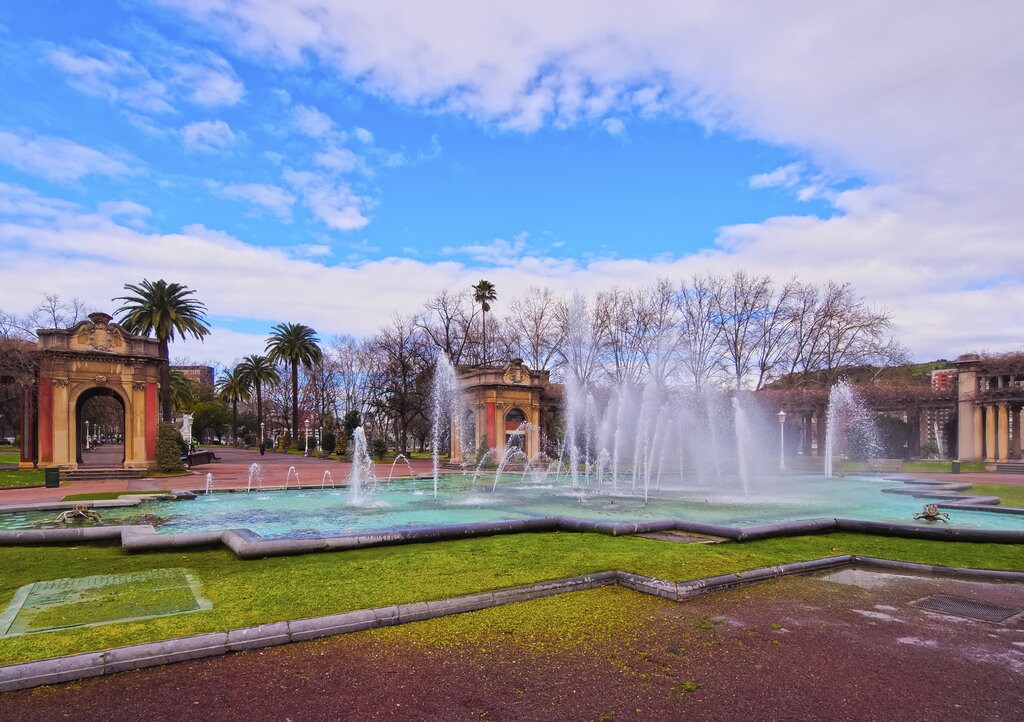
{"type": "Point", "coordinates": [80, 512]}
{"type": "Point", "coordinates": [931, 513]}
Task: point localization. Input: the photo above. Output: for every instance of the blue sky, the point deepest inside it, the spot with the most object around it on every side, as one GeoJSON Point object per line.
{"type": "Point", "coordinates": [333, 163]}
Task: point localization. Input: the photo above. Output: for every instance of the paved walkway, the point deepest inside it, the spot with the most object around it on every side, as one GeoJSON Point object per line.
{"type": "Point", "coordinates": [231, 472]}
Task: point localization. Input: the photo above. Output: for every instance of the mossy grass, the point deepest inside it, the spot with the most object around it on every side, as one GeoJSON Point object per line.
{"type": "Point", "coordinates": [104, 495]}
{"type": "Point", "coordinates": [1008, 495]}
{"type": "Point", "coordinates": [246, 593]}
{"type": "Point", "coordinates": [9, 457]}
{"type": "Point", "coordinates": [16, 477]}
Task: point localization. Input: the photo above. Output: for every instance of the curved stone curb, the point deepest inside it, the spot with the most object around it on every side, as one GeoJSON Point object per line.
{"type": "Point", "coordinates": [246, 544]}
{"type": "Point", "coordinates": [938, 570]}
{"type": "Point", "coordinates": [681, 591]}
{"type": "Point", "coordinates": [151, 654]}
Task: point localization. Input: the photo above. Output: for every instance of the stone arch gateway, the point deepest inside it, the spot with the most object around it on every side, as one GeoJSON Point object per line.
{"type": "Point", "coordinates": [95, 358]}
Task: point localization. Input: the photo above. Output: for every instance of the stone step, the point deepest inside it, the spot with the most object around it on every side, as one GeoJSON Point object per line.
{"type": "Point", "coordinates": [1010, 467]}
{"type": "Point", "coordinates": [94, 473]}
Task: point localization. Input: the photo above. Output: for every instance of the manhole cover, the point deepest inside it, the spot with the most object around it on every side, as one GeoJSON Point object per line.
{"type": "Point", "coordinates": [960, 607]}
{"type": "Point", "coordinates": [86, 601]}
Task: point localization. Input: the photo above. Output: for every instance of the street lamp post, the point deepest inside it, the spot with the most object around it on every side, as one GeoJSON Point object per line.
{"type": "Point", "coordinates": [307, 437]}
{"type": "Point", "coordinates": [782, 440]}
{"type": "Point", "coordinates": [87, 442]}
{"type": "Point", "coordinates": [262, 438]}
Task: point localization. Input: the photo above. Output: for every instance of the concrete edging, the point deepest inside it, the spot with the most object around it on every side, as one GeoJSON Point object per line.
{"type": "Point", "coordinates": [150, 654]}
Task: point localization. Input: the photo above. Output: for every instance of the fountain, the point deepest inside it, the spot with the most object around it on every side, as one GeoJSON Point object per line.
{"type": "Point", "coordinates": [291, 471]}
{"type": "Point", "coordinates": [327, 478]}
{"type": "Point", "coordinates": [209, 483]}
{"type": "Point", "coordinates": [401, 457]}
{"type": "Point", "coordinates": [255, 474]}
{"type": "Point", "coordinates": [850, 421]}
{"type": "Point", "coordinates": [362, 478]}
{"type": "Point", "coordinates": [444, 406]}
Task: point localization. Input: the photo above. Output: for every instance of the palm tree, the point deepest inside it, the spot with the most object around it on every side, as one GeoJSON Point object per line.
{"type": "Point", "coordinates": [183, 393]}
{"type": "Point", "coordinates": [294, 343]}
{"type": "Point", "coordinates": [232, 388]}
{"type": "Point", "coordinates": [258, 371]}
{"type": "Point", "coordinates": [483, 293]}
{"type": "Point", "coordinates": [162, 308]}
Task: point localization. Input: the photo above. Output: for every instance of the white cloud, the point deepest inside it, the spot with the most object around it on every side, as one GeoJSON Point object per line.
{"type": "Point", "coordinates": [937, 313]}
{"type": "Point", "coordinates": [363, 135]}
{"type": "Point", "coordinates": [339, 160]}
{"type": "Point", "coordinates": [57, 159]}
{"type": "Point", "coordinates": [210, 85]}
{"type": "Point", "coordinates": [270, 198]}
{"type": "Point", "coordinates": [151, 81]}
{"type": "Point", "coordinates": [614, 126]}
{"type": "Point", "coordinates": [208, 136]}
{"type": "Point", "coordinates": [311, 121]}
{"type": "Point", "coordinates": [785, 176]}
{"type": "Point", "coordinates": [332, 201]}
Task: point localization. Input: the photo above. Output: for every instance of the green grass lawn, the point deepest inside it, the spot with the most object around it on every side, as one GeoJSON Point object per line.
{"type": "Point", "coordinates": [14, 477]}
{"type": "Point", "coordinates": [1009, 495]}
{"type": "Point", "coordinates": [104, 495]}
{"type": "Point", "coordinates": [252, 592]}
{"type": "Point", "coordinates": [9, 457]}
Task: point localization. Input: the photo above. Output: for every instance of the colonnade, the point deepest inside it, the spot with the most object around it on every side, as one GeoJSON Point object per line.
{"type": "Point", "coordinates": [997, 428]}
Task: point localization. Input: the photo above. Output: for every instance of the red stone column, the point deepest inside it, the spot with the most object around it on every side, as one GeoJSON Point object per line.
{"type": "Point", "coordinates": [45, 420]}
{"type": "Point", "coordinates": [492, 426]}
{"type": "Point", "coordinates": [151, 420]}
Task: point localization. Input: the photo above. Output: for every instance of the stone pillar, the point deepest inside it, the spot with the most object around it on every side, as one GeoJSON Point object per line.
{"type": "Point", "coordinates": [1003, 438]}
{"type": "Point", "coordinates": [45, 421]}
{"type": "Point", "coordinates": [1015, 445]}
{"type": "Point", "coordinates": [533, 433]}
{"type": "Point", "coordinates": [454, 430]}
{"type": "Point", "coordinates": [492, 427]}
{"type": "Point", "coordinates": [968, 432]}
{"type": "Point", "coordinates": [27, 431]}
{"type": "Point", "coordinates": [151, 421]}
{"type": "Point", "coordinates": [914, 436]}
{"type": "Point", "coordinates": [977, 437]}
{"type": "Point", "coordinates": [990, 433]}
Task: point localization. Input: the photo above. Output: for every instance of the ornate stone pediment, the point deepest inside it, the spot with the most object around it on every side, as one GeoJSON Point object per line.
{"type": "Point", "coordinates": [516, 373]}
{"type": "Point", "coordinates": [99, 333]}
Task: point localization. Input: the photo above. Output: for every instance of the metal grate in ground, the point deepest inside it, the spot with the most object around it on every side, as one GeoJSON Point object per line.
{"type": "Point", "coordinates": [969, 608]}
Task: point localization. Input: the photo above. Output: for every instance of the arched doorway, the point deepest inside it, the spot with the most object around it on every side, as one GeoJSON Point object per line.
{"type": "Point", "coordinates": [100, 373]}
{"type": "Point", "coordinates": [99, 421]}
{"type": "Point", "coordinates": [515, 431]}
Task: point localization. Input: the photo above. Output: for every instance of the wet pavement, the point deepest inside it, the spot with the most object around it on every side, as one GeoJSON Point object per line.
{"type": "Point", "coordinates": [231, 472]}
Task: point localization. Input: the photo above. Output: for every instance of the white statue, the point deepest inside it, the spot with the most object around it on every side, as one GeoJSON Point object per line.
{"type": "Point", "coordinates": [186, 428]}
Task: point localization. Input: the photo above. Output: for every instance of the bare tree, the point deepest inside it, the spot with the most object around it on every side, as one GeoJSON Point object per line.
{"type": "Point", "coordinates": [533, 326]}
{"type": "Point", "coordinates": [447, 321]}
{"type": "Point", "coordinates": [401, 376]}
{"type": "Point", "coordinates": [701, 327]}
{"type": "Point", "coordinates": [621, 318]}
{"type": "Point", "coordinates": [742, 305]}
{"type": "Point", "coordinates": [52, 312]}
{"type": "Point", "coordinates": [774, 329]}
{"type": "Point", "coordinates": [351, 359]}
{"type": "Point", "coordinates": [580, 353]}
